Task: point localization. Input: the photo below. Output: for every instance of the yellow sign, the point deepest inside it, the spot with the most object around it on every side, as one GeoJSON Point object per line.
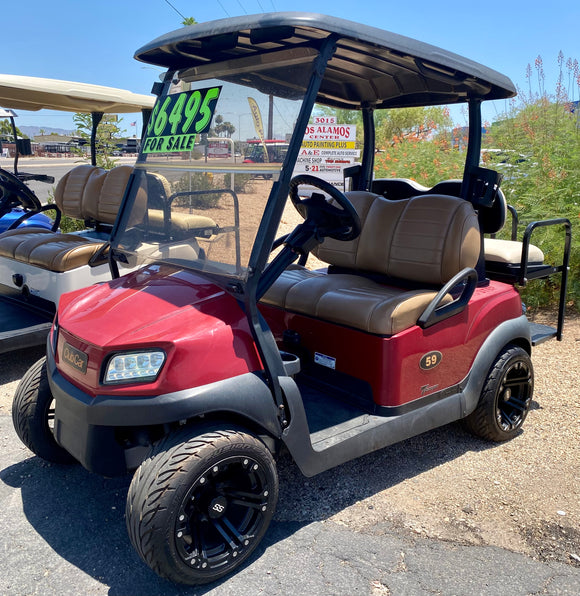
{"type": "Point", "coordinates": [329, 144]}
{"type": "Point", "coordinates": [258, 125]}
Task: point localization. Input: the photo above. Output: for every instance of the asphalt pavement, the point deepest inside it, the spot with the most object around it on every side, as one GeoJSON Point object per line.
{"type": "Point", "coordinates": [63, 532]}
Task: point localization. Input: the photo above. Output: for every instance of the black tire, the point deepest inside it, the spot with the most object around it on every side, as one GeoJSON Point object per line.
{"type": "Point", "coordinates": [200, 504]}
{"type": "Point", "coordinates": [33, 415]}
{"type": "Point", "coordinates": [506, 397]}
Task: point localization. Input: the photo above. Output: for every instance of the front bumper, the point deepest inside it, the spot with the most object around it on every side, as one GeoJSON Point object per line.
{"type": "Point", "coordinates": [91, 428]}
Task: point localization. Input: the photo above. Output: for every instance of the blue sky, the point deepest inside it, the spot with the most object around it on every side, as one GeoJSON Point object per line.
{"type": "Point", "coordinates": [94, 41]}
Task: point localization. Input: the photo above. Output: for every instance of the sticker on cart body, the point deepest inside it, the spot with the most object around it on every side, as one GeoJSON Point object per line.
{"type": "Point", "coordinates": [324, 360]}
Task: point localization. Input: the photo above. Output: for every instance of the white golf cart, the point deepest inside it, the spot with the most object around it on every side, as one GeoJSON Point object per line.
{"type": "Point", "coordinates": [37, 263]}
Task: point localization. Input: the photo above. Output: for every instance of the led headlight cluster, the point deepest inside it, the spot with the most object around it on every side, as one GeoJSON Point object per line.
{"type": "Point", "coordinates": [134, 366]}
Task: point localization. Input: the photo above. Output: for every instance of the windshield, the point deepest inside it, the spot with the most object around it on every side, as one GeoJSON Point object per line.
{"type": "Point", "coordinates": [212, 151]}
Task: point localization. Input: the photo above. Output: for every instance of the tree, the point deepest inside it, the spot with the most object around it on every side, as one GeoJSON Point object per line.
{"type": "Point", "coordinates": [413, 124]}
{"type": "Point", "coordinates": [6, 129]}
{"type": "Point", "coordinates": [108, 134]}
{"type": "Point", "coordinates": [189, 21]}
{"type": "Point", "coordinates": [540, 135]}
{"type": "Point", "coordinates": [222, 128]}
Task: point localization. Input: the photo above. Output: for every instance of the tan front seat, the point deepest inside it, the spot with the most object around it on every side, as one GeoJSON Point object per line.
{"type": "Point", "coordinates": [422, 241]}
{"type": "Point", "coordinates": [85, 192]}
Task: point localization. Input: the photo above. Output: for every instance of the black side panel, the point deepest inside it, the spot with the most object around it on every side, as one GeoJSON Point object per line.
{"type": "Point", "coordinates": [22, 326]}
{"type": "Point", "coordinates": [516, 331]}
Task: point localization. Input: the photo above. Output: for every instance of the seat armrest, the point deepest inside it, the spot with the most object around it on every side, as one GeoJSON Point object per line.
{"type": "Point", "coordinates": [435, 312]}
{"type": "Point", "coordinates": [527, 239]}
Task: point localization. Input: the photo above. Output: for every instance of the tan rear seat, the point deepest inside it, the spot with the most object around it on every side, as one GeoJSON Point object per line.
{"type": "Point", "coordinates": [85, 192]}
{"type": "Point", "coordinates": [509, 252]}
{"type": "Point", "coordinates": [425, 240]}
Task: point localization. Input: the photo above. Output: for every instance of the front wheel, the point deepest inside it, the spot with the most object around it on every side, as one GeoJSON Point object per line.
{"type": "Point", "coordinates": [199, 505]}
{"type": "Point", "coordinates": [33, 415]}
{"type": "Point", "coordinates": [506, 397]}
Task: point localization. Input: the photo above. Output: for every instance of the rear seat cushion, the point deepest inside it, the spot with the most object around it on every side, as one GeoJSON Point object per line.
{"type": "Point", "coordinates": [509, 252]}
{"type": "Point", "coordinates": [183, 223]}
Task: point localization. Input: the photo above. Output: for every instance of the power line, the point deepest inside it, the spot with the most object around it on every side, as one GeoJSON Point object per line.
{"type": "Point", "coordinates": [260, 5]}
{"type": "Point", "coordinates": [222, 7]}
{"type": "Point", "coordinates": [175, 9]}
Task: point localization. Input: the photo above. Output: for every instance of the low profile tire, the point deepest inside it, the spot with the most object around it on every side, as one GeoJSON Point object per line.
{"type": "Point", "coordinates": [33, 415]}
{"type": "Point", "coordinates": [199, 505]}
{"type": "Point", "coordinates": [506, 397]}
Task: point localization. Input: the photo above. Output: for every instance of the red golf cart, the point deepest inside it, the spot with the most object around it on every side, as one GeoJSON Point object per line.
{"type": "Point", "coordinates": [225, 348]}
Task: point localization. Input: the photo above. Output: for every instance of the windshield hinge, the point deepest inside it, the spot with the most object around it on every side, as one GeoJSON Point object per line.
{"type": "Point", "coordinates": [235, 288]}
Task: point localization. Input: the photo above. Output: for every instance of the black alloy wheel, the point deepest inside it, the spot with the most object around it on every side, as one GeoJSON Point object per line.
{"type": "Point", "coordinates": [199, 505]}
{"type": "Point", "coordinates": [506, 397]}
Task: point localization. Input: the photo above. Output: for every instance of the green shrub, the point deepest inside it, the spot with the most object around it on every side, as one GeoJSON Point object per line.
{"type": "Point", "coordinates": [539, 137]}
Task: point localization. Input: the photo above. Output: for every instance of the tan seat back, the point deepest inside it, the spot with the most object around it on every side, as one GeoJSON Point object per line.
{"type": "Point", "coordinates": [104, 193]}
{"type": "Point", "coordinates": [89, 192]}
{"type": "Point", "coordinates": [69, 192]}
{"type": "Point", "coordinates": [424, 239]}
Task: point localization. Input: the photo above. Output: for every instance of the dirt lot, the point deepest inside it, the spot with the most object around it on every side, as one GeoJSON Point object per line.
{"type": "Point", "coordinates": [523, 495]}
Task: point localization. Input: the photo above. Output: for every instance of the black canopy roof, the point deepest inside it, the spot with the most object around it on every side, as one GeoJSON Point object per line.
{"type": "Point", "coordinates": [370, 67]}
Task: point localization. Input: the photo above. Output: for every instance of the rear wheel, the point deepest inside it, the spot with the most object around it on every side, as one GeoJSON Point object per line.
{"type": "Point", "coordinates": [506, 397]}
{"type": "Point", "coordinates": [199, 505]}
{"type": "Point", "coordinates": [33, 415]}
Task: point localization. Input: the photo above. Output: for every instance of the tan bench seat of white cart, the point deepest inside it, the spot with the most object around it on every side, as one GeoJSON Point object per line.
{"type": "Point", "coordinates": [85, 192]}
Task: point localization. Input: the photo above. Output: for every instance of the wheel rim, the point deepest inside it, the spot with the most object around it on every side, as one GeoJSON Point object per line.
{"type": "Point", "coordinates": [50, 416]}
{"type": "Point", "coordinates": [222, 516]}
{"type": "Point", "coordinates": [514, 396]}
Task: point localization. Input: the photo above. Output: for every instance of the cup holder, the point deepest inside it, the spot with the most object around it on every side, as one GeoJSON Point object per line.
{"type": "Point", "coordinates": [291, 363]}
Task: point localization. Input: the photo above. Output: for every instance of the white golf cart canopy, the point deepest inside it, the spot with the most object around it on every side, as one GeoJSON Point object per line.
{"type": "Point", "coordinates": [35, 93]}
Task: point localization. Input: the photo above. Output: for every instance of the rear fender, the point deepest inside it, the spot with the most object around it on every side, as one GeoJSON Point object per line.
{"type": "Point", "coordinates": [514, 331]}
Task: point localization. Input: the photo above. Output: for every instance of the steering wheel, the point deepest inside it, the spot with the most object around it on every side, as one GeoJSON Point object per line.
{"type": "Point", "coordinates": [340, 224]}
{"type": "Point", "coordinates": [14, 193]}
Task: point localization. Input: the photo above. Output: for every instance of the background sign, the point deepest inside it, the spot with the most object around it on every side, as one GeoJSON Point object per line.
{"type": "Point", "coordinates": [327, 148]}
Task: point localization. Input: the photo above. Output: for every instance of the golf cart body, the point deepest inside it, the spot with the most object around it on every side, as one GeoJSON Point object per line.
{"type": "Point", "coordinates": [216, 336]}
{"type": "Point", "coordinates": [37, 263]}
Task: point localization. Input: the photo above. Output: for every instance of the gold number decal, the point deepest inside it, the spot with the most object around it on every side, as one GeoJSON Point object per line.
{"type": "Point", "coordinates": [431, 360]}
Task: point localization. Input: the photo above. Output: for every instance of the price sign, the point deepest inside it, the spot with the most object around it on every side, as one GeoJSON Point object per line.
{"type": "Point", "coordinates": [176, 119]}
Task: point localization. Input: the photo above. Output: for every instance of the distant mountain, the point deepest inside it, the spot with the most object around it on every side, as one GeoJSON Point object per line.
{"type": "Point", "coordinates": [32, 131]}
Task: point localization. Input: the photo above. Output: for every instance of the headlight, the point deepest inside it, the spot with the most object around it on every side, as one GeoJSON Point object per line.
{"type": "Point", "coordinates": [134, 367]}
